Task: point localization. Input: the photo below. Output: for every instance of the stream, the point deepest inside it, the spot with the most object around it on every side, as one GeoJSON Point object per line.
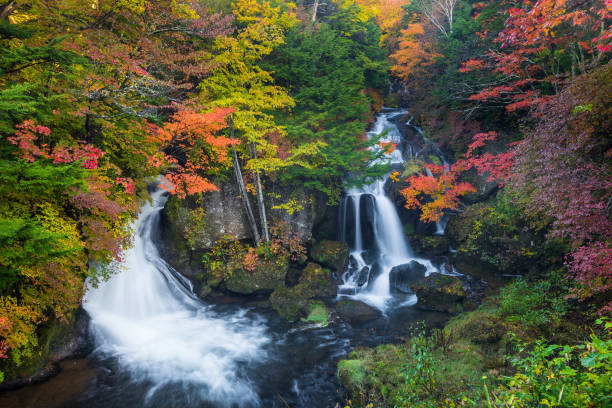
{"type": "Point", "coordinates": [158, 345]}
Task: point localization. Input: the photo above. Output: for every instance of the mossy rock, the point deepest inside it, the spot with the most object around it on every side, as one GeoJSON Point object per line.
{"type": "Point", "coordinates": [316, 282]}
{"type": "Point", "coordinates": [317, 313]}
{"type": "Point", "coordinates": [56, 341]}
{"type": "Point", "coordinates": [292, 303]}
{"type": "Point", "coordinates": [440, 292]}
{"type": "Point", "coordinates": [332, 254]}
{"type": "Point", "coordinates": [479, 326]}
{"type": "Point", "coordinates": [267, 276]}
{"type": "Point", "coordinates": [354, 311]}
{"type": "Point", "coordinates": [288, 303]}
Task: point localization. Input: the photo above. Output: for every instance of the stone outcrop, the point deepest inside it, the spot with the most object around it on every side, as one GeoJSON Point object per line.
{"type": "Point", "coordinates": [443, 293]}
{"type": "Point", "coordinates": [315, 282]}
{"type": "Point", "coordinates": [332, 254]}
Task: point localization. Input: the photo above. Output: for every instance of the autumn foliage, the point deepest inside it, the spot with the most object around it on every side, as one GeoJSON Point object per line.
{"type": "Point", "coordinates": [193, 142]}
{"type": "Point", "coordinates": [435, 192]}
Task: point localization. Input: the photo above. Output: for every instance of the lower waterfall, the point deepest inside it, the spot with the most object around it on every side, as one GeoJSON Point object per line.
{"type": "Point", "coordinates": [147, 317]}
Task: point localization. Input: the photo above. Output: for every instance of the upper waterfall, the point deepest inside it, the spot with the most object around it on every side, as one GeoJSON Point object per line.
{"type": "Point", "coordinates": [368, 213]}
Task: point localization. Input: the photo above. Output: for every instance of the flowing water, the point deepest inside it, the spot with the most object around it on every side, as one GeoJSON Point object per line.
{"type": "Point", "coordinates": [374, 232]}
{"type": "Point", "coordinates": [157, 345]}
{"type": "Point", "coordinates": [148, 318]}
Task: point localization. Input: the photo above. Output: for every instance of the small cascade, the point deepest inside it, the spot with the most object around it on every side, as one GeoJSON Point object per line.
{"type": "Point", "coordinates": [374, 232]}
{"type": "Point", "coordinates": [147, 317]}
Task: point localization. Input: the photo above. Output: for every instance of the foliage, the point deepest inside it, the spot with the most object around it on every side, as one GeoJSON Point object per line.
{"type": "Point", "coordinates": [415, 53]}
{"type": "Point", "coordinates": [541, 44]}
{"type": "Point", "coordinates": [560, 376]}
{"type": "Point", "coordinates": [237, 81]}
{"type": "Point", "coordinates": [539, 304]}
{"type": "Point", "coordinates": [435, 192]}
{"type": "Point", "coordinates": [327, 69]}
{"type": "Point", "coordinates": [284, 245]}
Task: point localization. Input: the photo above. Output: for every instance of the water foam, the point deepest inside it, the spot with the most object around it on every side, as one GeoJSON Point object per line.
{"type": "Point", "coordinates": [147, 317]}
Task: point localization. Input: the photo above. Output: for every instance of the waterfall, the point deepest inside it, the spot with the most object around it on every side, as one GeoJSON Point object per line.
{"type": "Point", "coordinates": [147, 317]}
{"type": "Point", "coordinates": [368, 277]}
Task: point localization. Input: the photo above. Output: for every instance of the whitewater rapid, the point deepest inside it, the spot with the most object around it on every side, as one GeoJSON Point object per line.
{"type": "Point", "coordinates": [147, 317]}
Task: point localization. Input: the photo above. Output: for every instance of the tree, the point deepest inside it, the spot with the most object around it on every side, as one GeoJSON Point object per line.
{"type": "Point", "coordinates": [439, 13]}
{"type": "Point", "coordinates": [415, 53]}
{"type": "Point", "coordinates": [237, 81]}
{"type": "Point", "coordinates": [193, 142]}
{"type": "Point", "coordinates": [541, 45]}
{"type": "Point", "coordinates": [435, 192]}
{"type": "Point", "coordinates": [327, 73]}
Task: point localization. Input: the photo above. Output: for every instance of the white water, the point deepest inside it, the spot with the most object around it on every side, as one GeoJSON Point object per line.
{"type": "Point", "coordinates": [147, 317]}
{"type": "Point", "coordinates": [389, 238]}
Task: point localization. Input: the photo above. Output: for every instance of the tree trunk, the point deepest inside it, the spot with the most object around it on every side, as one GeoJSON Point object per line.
{"type": "Point", "coordinates": [245, 198]}
{"type": "Point", "coordinates": [7, 9]}
{"type": "Point", "coordinates": [315, 6]}
{"type": "Point", "coordinates": [260, 200]}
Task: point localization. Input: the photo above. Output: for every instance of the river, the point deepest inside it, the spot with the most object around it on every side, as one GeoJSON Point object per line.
{"type": "Point", "coordinates": [158, 345]}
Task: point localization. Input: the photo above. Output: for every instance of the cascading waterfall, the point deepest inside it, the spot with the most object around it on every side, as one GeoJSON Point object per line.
{"type": "Point", "coordinates": [148, 318]}
{"type": "Point", "coordinates": [367, 211]}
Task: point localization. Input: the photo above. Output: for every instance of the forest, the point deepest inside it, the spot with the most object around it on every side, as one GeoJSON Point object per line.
{"type": "Point", "coordinates": [339, 203]}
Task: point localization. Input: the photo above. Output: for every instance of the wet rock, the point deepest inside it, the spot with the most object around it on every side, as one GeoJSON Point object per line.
{"type": "Point", "coordinates": [288, 303]}
{"type": "Point", "coordinates": [440, 292]}
{"type": "Point", "coordinates": [363, 276]}
{"type": "Point", "coordinates": [402, 276]}
{"type": "Point", "coordinates": [315, 282]}
{"type": "Point", "coordinates": [267, 276]}
{"type": "Point", "coordinates": [370, 256]}
{"type": "Point", "coordinates": [356, 312]}
{"type": "Point", "coordinates": [367, 214]}
{"type": "Point", "coordinates": [332, 254]}
{"type": "Point", "coordinates": [375, 272]}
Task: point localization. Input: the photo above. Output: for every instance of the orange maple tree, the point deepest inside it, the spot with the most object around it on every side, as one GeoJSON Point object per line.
{"type": "Point", "coordinates": [193, 148]}
{"type": "Point", "coordinates": [415, 53]}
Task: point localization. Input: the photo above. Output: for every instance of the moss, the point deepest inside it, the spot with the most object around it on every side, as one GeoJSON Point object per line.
{"type": "Point", "coordinates": [317, 313]}
{"type": "Point", "coordinates": [314, 282]}
{"type": "Point", "coordinates": [267, 276]}
{"type": "Point", "coordinates": [440, 292]}
{"type": "Point", "coordinates": [332, 254]}
{"type": "Point", "coordinates": [288, 303]}
{"type": "Point", "coordinates": [352, 373]}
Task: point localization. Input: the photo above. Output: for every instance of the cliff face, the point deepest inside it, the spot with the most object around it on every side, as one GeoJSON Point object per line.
{"type": "Point", "coordinates": [191, 227]}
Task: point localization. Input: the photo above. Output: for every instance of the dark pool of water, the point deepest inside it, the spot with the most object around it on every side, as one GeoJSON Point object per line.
{"type": "Point", "coordinates": [299, 371]}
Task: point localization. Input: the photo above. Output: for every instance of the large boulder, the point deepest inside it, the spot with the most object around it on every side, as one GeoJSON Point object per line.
{"type": "Point", "coordinates": [289, 303]}
{"type": "Point", "coordinates": [356, 312]}
{"type": "Point", "coordinates": [443, 293]}
{"type": "Point", "coordinates": [267, 276]}
{"type": "Point", "coordinates": [401, 276]}
{"type": "Point", "coordinates": [314, 283]}
{"type": "Point", "coordinates": [332, 254]}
